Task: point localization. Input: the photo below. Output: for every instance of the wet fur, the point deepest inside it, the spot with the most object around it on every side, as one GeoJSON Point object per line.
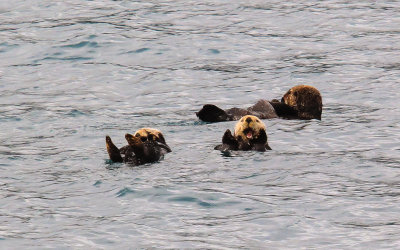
{"type": "Point", "coordinates": [300, 102]}
{"type": "Point", "coordinates": [239, 141]}
{"type": "Point", "coordinates": [146, 146]}
{"type": "Point", "coordinates": [113, 151]}
{"type": "Point", "coordinates": [145, 151]}
{"type": "Point", "coordinates": [306, 100]}
{"type": "Point", "coordinates": [146, 132]}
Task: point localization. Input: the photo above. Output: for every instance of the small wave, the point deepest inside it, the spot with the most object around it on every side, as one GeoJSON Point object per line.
{"type": "Point", "coordinates": [82, 44]}
{"type": "Point", "coordinates": [125, 191]}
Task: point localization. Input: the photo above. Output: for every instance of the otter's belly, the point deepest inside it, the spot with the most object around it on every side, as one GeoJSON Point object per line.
{"type": "Point", "coordinates": [262, 109]}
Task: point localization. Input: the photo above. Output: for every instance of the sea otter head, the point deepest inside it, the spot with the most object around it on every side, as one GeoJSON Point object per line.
{"type": "Point", "coordinates": [306, 100]}
{"type": "Point", "coordinates": [248, 128]}
{"type": "Point", "coordinates": [133, 141]}
{"type": "Point", "coordinates": [150, 134]}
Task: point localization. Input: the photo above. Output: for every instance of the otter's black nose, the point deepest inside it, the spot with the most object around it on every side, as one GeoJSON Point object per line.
{"type": "Point", "coordinates": [248, 120]}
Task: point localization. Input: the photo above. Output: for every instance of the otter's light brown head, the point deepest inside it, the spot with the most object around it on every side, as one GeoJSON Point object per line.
{"type": "Point", "coordinates": [248, 127]}
{"type": "Point", "coordinates": [306, 100]}
{"type": "Point", "coordinates": [150, 134]}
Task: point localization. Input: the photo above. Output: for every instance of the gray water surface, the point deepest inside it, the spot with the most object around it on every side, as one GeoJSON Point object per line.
{"type": "Point", "coordinates": [72, 72]}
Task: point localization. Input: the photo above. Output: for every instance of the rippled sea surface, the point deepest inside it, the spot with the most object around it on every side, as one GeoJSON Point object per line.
{"type": "Point", "coordinates": [72, 72]}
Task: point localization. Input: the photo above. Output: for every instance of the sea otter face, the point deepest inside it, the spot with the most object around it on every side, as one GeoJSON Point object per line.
{"type": "Point", "coordinates": [150, 134]}
{"type": "Point", "coordinates": [248, 127]}
{"type": "Point", "coordinates": [306, 100]}
{"type": "Point", "coordinates": [133, 141]}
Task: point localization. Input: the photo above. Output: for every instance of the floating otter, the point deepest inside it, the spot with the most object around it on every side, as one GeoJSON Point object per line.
{"type": "Point", "coordinates": [249, 135]}
{"type": "Point", "coordinates": [306, 100]}
{"type": "Point", "coordinates": [300, 102]}
{"type": "Point", "coordinates": [145, 146]}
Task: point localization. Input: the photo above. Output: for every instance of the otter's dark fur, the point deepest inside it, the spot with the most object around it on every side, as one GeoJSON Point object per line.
{"type": "Point", "coordinates": [140, 149]}
{"type": "Point", "coordinates": [300, 102]}
{"type": "Point", "coordinates": [306, 100]}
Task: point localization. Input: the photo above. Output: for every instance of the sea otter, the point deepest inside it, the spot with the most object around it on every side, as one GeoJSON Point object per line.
{"type": "Point", "coordinates": [145, 146]}
{"type": "Point", "coordinates": [145, 132]}
{"type": "Point", "coordinates": [300, 102]}
{"type": "Point", "coordinates": [249, 135]}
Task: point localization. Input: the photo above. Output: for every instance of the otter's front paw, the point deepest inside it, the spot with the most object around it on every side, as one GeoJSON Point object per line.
{"type": "Point", "coordinates": [229, 142]}
{"type": "Point", "coordinates": [261, 138]}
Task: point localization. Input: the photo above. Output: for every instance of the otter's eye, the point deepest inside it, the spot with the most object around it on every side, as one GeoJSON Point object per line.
{"type": "Point", "coordinates": [257, 120]}
{"type": "Point", "coordinates": [295, 94]}
{"type": "Point", "coordinates": [143, 138]}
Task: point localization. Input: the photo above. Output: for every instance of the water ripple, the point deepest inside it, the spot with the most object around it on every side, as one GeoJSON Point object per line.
{"type": "Point", "coordinates": [72, 72]}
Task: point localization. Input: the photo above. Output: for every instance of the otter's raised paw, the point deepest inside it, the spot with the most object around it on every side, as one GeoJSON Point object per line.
{"type": "Point", "coordinates": [228, 138]}
{"type": "Point", "coordinates": [261, 142]}
{"type": "Point", "coordinates": [113, 151]}
{"type": "Point", "coordinates": [261, 137]}
{"type": "Point", "coordinates": [229, 142]}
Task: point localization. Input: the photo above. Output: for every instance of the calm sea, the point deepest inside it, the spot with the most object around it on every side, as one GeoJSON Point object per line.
{"type": "Point", "coordinates": [72, 72]}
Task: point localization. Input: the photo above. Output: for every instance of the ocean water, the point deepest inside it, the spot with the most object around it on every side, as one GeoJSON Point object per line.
{"type": "Point", "coordinates": [72, 72]}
